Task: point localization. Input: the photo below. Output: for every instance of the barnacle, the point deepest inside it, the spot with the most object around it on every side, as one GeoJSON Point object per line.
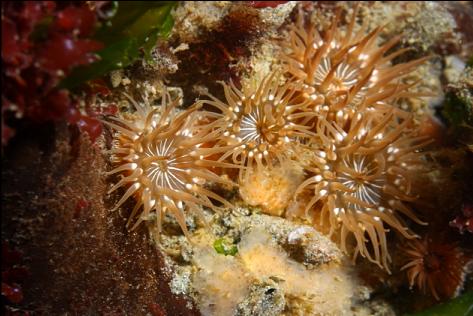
{"type": "Point", "coordinates": [159, 154]}
{"type": "Point", "coordinates": [435, 265]}
{"type": "Point", "coordinates": [343, 69]}
{"type": "Point", "coordinates": [361, 178]}
{"type": "Point", "coordinates": [259, 123]}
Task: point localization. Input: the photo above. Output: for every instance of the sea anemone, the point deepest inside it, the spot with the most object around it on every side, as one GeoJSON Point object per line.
{"type": "Point", "coordinates": [259, 123]}
{"type": "Point", "coordinates": [343, 70]}
{"type": "Point", "coordinates": [361, 178]}
{"type": "Point", "coordinates": [158, 152]}
{"type": "Point", "coordinates": [435, 265]}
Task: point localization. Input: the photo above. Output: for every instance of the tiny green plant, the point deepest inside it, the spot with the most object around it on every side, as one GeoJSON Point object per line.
{"type": "Point", "coordinates": [225, 247]}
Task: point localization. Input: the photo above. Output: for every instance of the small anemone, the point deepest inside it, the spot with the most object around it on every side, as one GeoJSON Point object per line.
{"type": "Point", "coordinates": [343, 69]}
{"type": "Point", "coordinates": [158, 153]}
{"type": "Point", "coordinates": [259, 124]}
{"type": "Point", "coordinates": [435, 265]}
{"type": "Point", "coordinates": [361, 179]}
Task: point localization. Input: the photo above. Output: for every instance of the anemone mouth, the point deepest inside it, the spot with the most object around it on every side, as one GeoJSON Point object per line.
{"type": "Point", "coordinates": [434, 266]}
{"type": "Point", "coordinates": [164, 166]}
{"type": "Point", "coordinates": [364, 178]}
{"type": "Point", "coordinates": [343, 78]}
{"type": "Point", "coordinates": [255, 129]}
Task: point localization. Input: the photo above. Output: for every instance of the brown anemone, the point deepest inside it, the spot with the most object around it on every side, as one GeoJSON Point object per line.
{"type": "Point", "coordinates": [436, 266]}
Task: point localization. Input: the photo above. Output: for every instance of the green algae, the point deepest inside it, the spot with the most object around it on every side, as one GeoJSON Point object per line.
{"type": "Point", "coordinates": [129, 35]}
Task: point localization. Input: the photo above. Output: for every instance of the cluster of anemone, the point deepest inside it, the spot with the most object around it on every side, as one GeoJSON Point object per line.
{"type": "Point", "coordinates": [331, 102]}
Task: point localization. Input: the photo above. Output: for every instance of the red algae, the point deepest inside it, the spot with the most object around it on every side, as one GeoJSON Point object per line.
{"type": "Point", "coordinates": [464, 221]}
{"type": "Point", "coordinates": [13, 274]}
{"type": "Point", "coordinates": [41, 42]}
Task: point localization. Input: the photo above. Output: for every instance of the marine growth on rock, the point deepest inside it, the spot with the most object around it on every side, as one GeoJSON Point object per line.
{"type": "Point", "coordinates": [331, 109]}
